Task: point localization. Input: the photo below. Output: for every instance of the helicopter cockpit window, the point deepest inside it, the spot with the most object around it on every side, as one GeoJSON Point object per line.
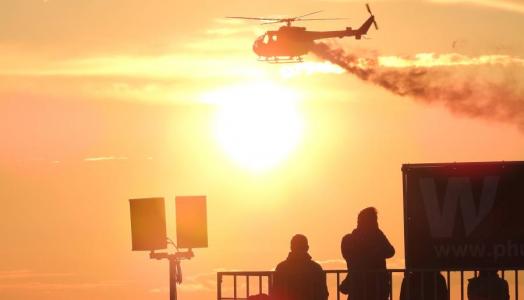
{"type": "Point", "coordinates": [266, 39]}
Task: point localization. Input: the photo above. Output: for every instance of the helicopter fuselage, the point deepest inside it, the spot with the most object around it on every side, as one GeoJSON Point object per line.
{"type": "Point", "coordinates": [291, 41]}
{"type": "Point", "coordinates": [287, 41]}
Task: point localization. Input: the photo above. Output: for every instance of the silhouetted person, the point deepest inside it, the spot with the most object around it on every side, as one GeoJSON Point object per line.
{"type": "Point", "coordinates": [365, 251]}
{"type": "Point", "coordinates": [424, 286]}
{"type": "Point", "coordinates": [299, 277]}
{"type": "Point", "coordinates": [488, 286]}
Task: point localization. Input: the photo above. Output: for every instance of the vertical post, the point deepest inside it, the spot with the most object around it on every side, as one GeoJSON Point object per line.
{"type": "Point", "coordinates": [338, 285]}
{"type": "Point", "coordinates": [448, 279]}
{"type": "Point", "coordinates": [270, 284]}
{"type": "Point", "coordinates": [235, 286]}
{"type": "Point", "coordinates": [247, 286]}
{"type": "Point", "coordinates": [405, 170]}
{"type": "Point", "coordinates": [172, 278]}
{"type": "Point", "coordinates": [435, 295]}
{"type": "Point", "coordinates": [461, 285]}
{"type": "Point", "coordinates": [422, 277]}
{"type": "Point", "coordinates": [517, 284]}
{"type": "Point", "coordinates": [390, 284]}
{"type": "Point", "coordinates": [219, 286]}
{"type": "Point", "coordinates": [407, 278]}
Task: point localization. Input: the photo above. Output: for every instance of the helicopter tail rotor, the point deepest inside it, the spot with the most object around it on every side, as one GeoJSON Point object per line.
{"type": "Point", "coordinates": [369, 9]}
{"type": "Point", "coordinates": [371, 13]}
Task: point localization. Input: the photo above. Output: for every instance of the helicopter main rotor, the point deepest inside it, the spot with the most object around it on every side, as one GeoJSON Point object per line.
{"type": "Point", "coordinates": [288, 21]}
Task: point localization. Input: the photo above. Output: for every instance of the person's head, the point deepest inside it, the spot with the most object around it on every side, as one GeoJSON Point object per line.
{"type": "Point", "coordinates": [299, 243]}
{"type": "Point", "coordinates": [367, 218]}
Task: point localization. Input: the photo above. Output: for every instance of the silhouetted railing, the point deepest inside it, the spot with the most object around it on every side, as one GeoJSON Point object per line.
{"type": "Point", "coordinates": [241, 285]}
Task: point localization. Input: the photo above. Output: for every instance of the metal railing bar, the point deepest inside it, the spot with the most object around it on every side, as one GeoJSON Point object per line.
{"type": "Point", "coordinates": [407, 277]}
{"type": "Point", "coordinates": [461, 285]}
{"type": "Point", "coordinates": [234, 286]}
{"type": "Point", "coordinates": [247, 286]}
{"type": "Point", "coordinates": [422, 285]}
{"type": "Point", "coordinates": [219, 286]}
{"type": "Point", "coordinates": [435, 287]}
{"type": "Point", "coordinates": [390, 272]}
{"type": "Point", "coordinates": [266, 273]}
{"type": "Point", "coordinates": [338, 285]}
{"type": "Point", "coordinates": [390, 285]}
{"type": "Point", "coordinates": [270, 284]}
{"type": "Point", "coordinates": [250, 273]}
{"type": "Point", "coordinates": [448, 278]}
{"type": "Point", "coordinates": [517, 284]}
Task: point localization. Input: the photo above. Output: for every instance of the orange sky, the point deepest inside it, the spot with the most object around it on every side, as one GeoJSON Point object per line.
{"type": "Point", "coordinates": [102, 101]}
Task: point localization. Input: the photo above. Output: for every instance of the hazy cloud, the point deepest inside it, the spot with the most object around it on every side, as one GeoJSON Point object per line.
{"type": "Point", "coordinates": [507, 5]}
{"type": "Point", "coordinates": [24, 274]}
{"type": "Point", "coordinates": [42, 281]}
{"type": "Point", "coordinates": [56, 286]}
{"type": "Point", "coordinates": [330, 262]}
{"type": "Point", "coordinates": [102, 158]}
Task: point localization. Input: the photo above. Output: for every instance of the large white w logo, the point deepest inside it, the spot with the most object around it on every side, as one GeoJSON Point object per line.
{"type": "Point", "coordinates": [459, 190]}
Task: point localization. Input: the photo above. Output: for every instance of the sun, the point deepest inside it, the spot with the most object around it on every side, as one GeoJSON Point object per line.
{"type": "Point", "coordinates": [257, 124]}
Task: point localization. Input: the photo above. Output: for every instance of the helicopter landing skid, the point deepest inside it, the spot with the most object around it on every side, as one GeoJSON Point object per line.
{"type": "Point", "coordinates": [282, 60]}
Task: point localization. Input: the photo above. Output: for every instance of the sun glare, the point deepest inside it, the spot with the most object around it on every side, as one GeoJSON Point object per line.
{"type": "Point", "coordinates": [257, 124]}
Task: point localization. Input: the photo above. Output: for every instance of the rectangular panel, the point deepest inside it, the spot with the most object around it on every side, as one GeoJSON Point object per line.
{"type": "Point", "coordinates": [464, 215]}
{"type": "Point", "coordinates": [191, 221]}
{"type": "Point", "coordinates": [148, 224]}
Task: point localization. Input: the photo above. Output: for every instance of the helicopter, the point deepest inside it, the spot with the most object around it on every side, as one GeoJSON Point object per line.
{"type": "Point", "coordinates": [289, 43]}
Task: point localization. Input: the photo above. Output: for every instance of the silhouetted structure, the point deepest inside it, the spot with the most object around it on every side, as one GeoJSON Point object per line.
{"type": "Point", "coordinates": [299, 277]}
{"type": "Point", "coordinates": [365, 251]}
{"type": "Point", "coordinates": [488, 286]}
{"type": "Point", "coordinates": [423, 286]}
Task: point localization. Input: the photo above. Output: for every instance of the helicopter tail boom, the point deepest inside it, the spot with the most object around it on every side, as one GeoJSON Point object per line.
{"type": "Point", "coordinates": [357, 33]}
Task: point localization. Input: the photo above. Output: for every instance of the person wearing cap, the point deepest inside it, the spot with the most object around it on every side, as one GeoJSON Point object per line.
{"type": "Point", "coordinates": [299, 277]}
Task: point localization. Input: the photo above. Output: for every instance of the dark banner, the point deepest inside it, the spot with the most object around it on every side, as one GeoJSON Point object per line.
{"type": "Point", "coordinates": [464, 215]}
